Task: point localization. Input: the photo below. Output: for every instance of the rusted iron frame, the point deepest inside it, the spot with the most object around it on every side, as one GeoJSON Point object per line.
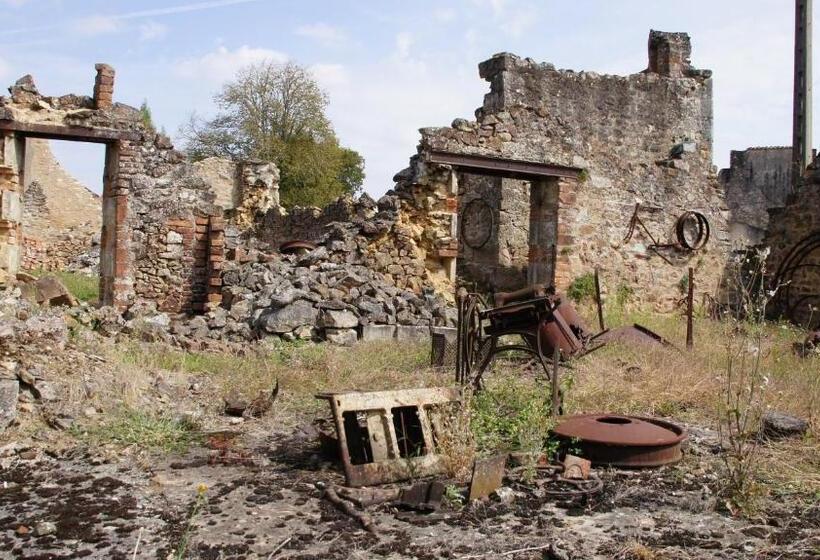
{"type": "Point", "coordinates": [501, 166]}
{"type": "Point", "coordinates": [64, 132]}
{"type": "Point", "coordinates": [704, 232]}
{"type": "Point", "coordinates": [395, 467]}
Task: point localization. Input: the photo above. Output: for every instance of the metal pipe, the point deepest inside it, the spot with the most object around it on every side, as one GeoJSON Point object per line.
{"type": "Point", "coordinates": [690, 310]}
{"type": "Point", "coordinates": [599, 302]}
{"type": "Point", "coordinates": [556, 358]}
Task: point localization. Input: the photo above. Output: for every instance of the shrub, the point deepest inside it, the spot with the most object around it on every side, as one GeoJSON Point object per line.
{"type": "Point", "coordinates": [582, 288]}
{"type": "Point", "coordinates": [512, 417]}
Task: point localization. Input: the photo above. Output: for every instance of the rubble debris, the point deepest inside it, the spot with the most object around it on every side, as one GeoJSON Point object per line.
{"type": "Point", "coordinates": [576, 468]}
{"type": "Point", "coordinates": [624, 441]}
{"type": "Point", "coordinates": [9, 391]}
{"type": "Point", "coordinates": [329, 493]}
{"type": "Point", "coordinates": [386, 436]}
{"type": "Point", "coordinates": [488, 474]}
{"type": "Point", "coordinates": [364, 497]}
{"type": "Point", "coordinates": [423, 496]}
{"type": "Point", "coordinates": [779, 425]}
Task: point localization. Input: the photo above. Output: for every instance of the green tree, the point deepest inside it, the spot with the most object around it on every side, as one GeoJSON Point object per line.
{"type": "Point", "coordinates": [276, 112]}
{"type": "Point", "coordinates": [145, 115]}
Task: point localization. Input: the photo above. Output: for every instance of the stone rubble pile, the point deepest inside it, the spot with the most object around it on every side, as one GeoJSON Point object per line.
{"type": "Point", "coordinates": [350, 287]}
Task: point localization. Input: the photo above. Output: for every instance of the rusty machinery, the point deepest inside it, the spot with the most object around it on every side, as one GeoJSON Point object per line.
{"type": "Point", "coordinates": [546, 323]}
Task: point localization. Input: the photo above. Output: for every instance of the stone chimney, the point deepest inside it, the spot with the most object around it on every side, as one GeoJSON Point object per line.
{"type": "Point", "coordinates": [104, 87]}
{"type": "Point", "coordinates": [669, 53]}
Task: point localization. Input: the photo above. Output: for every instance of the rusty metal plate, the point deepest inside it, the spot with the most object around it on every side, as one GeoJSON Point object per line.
{"type": "Point", "coordinates": [625, 441]}
{"type": "Point", "coordinates": [386, 436]}
{"type": "Point", "coordinates": [488, 474]}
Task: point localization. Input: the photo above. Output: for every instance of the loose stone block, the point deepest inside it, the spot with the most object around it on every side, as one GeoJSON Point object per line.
{"type": "Point", "coordinates": [371, 333]}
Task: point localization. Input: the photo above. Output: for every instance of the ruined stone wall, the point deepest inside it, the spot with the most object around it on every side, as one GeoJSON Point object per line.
{"type": "Point", "coordinates": [644, 138]}
{"type": "Point", "coordinates": [162, 233]}
{"type": "Point", "coordinates": [758, 180]}
{"type": "Point", "coordinates": [793, 265]}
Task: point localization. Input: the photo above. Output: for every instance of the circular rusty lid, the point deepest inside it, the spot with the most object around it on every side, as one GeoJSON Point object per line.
{"type": "Point", "coordinates": [613, 429]}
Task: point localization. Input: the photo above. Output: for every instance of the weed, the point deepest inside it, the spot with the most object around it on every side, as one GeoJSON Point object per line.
{"type": "Point", "coordinates": [196, 508]}
{"type": "Point", "coordinates": [623, 294]}
{"type": "Point", "coordinates": [511, 417]}
{"type": "Point", "coordinates": [453, 496]}
{"type": "Point", "coordinates": [743, 385]}
{"type": "Point", "coordinates": [582, 288]}
{"type": "Point", "coordinates": [149, 431]}
{"type": "Point", "coordinates": [454, 438]}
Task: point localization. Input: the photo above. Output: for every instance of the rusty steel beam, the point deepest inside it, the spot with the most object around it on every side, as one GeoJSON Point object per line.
{"type": "Point", "coordinates": [64, 132]}
{"type": "Point", "coordinates": [511, 168]}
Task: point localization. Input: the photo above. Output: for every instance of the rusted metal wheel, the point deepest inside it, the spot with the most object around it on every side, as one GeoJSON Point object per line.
{"type": "Point", "coordinates": [624, 441]}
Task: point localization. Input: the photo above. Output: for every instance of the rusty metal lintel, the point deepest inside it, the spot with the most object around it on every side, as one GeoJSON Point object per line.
{"type": "Point", "coordinates": [63, 132]}
{"type": "Point", "coordinates": [502, 166]}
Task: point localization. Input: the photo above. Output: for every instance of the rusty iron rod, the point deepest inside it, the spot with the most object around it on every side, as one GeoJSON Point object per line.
{"type": "Point", "coordinates": [690, 309]}
{"type": "Point", "coordinates": [599, 302]}
{"type": "Point", "coordinates": [556, 357]}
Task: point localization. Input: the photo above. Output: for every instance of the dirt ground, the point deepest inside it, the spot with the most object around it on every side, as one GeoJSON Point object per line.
{"type": "Point", "coordinates": [265, 504]}
{"type": "Point", "coordinates": [98, 489]}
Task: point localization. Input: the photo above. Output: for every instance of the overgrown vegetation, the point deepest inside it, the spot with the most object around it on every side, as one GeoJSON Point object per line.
{"type": "Point", "coordinates": [582, 288]}
{"type": "Point", "coordinates": [512, 416]}
{"type": "Point", "coordinates": [276, 112]}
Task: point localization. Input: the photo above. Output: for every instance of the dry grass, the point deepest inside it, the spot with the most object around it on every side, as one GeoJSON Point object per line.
{"type": "Point", "coordinates": [637, 380]}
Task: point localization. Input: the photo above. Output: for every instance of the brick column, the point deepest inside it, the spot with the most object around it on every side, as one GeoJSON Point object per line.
{"type": "Point", "coordinates": [565, 240]}
{"type": "Point", "coordinates": [216, 259]}
{"type": "Point", "coordinates": [104, 87]}
{"type": "Point", "coordinates": [116, 266]}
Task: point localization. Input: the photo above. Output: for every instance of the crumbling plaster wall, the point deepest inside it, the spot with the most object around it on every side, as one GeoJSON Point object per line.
{"type": "Point", "coordinates": [644, 138]}
{"type": "Point", "coordinates": [163, 230]}
{"type": "Point", "coordinates": [758, 180]}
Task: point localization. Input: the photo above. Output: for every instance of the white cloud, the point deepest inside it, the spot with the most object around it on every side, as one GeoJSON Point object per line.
{"type": "Point", "coordinates": [95, 25]}
{"type": "Point", "coordinates": [444, 15]}
{"type": "Point", "coordinates": [103, 21]}
{"type": "Point", "coordinates": [223, 63]}
{"type": "Point", "coordinates": [15, 3]}
{"type": "Point", "coordinates": [151, 30]}
{"type": "Point", "coordinates": [330, 75]}
{"type": "Point", "coordinates": [404, 41]}
{"type": "Point", "coordinates": [322, 32]}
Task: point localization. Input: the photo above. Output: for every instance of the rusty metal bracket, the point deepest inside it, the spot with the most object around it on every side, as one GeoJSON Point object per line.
{"type": "Point", "coordinates": [385, 436]}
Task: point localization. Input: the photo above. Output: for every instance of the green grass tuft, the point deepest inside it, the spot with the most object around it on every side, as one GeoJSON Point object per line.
{"type": "Point", "coordinates": [145, 430]}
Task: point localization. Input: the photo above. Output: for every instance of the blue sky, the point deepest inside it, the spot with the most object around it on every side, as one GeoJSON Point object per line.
{"type": "Point", "coordinates": [391, 67]}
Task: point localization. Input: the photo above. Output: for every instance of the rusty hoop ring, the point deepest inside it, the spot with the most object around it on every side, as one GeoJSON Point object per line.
{"type": "Point", "coordinates": [478, 206]}
{"type": "Point", "coordinates": [704, 230]}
